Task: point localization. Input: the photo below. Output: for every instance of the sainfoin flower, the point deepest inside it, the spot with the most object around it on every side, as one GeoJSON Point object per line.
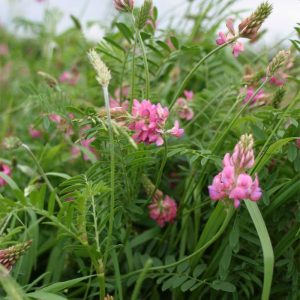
{"type": "Point", "coordinates": [123, 5]}
{"type": "Point", "coordinates": [249, 94]}
{"type": "Point", "coordinates": [233, 182]}
{"type": "Point", "coordinates": [148, 123]}
{"type": "Point", "coordinates": [34, 133]}
{"type": "Point", "coordinates": [163, 211]}
{"type": "Point", "coordinates": [70, 77]}
{"type": "Point", "coordinates": [9, 256]}
{"type": "Point", "coordinates": [182, 106]}
{"type": "Point", "coordinates": [6, 170]}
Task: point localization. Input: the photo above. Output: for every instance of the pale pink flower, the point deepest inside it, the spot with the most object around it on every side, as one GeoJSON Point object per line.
{"type": "Point", "coordinates": [189, 95]}
{"type": "Point", "coordinates": [34, 133]}
{"type": "Point", "coordinates": [86, 143]}
{"type": "Point", "coordinates": [6, 170]}
{"type": "Point", "coordinates": [117, 104]}
{"type": "Point", "coordinates": [70, 78]}
{"type": "Point", "coordinates": [237, 48]}
{"type": "Point", "coordinates": [183, 109]}
{"type": "Point", "coordinates": [122, 93]}
{"type": "Point", "coordinates": [250, 93]}
{"type": "Point", "coordinates": [123, 5]}
{"type": "Point", "coordinates": [222, 39]}
{"type": "Point", "coordinates": [55, 118]}
{"type": "Point", "coordinates": [176, 131]}
{"type": "Point", "coordinates": [4, 50]}
{"type": "Point", "coordinates": [163, 211]}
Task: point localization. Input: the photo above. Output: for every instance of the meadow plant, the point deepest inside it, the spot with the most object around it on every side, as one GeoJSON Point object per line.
{"type": "Point", "coordinates": [117, 174]}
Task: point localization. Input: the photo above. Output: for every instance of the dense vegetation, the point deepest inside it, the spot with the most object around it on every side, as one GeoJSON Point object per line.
{"type": "Point", "coordinates": [160, 162]}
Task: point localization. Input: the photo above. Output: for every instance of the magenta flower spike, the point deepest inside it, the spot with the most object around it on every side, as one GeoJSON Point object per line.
{"type": "Point", "coordinates": [233, 182]}
{"type": "Point", "coordinates": [6, 170]}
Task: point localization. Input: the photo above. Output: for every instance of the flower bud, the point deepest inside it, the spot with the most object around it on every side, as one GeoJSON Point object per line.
{"type": "Point", "coordinates": [144, 14]}
{"type": "Point", "coordinates": [9, 256]}
{"type": "Point", "coordinates": [50, 80]}
{"type": "Point", "coordinates": [124, 5]}
{"type": "Point", "coordinates": [277, 62]}
{"type": "Point", "coordinates": [250, 26]}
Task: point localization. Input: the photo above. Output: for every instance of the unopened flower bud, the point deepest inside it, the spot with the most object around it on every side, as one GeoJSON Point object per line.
{"type": "Point", "coordinates": [103, 73]}
{"type": "Point", "coordinates": [124, 5]}
{"type": "Point", "coordinates": [9, 256]}
{"type": "Point", "coordinates": [250, 26]}
{"type": "Point", "coordinates": [149, 188]}
{"type": "Point", "coordinates": [144, 14]}
{"type": "Point", "coordinates": [277, 62]}
{"type": "Point", "coordinates": [11, 143]}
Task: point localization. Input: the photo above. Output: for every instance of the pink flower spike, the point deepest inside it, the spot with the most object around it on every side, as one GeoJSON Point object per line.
{"type": "Point", "coordinates": [237, 48]}
{"type": "Point", "coordinates": [6, 170]}
{"type": "Point", "coordinates": [277, 81]}
{"type": "Point", "coordinates": [250, 93]}
{"type": "Point", "coordinates": [222, 38]}
{"type": "Point", "coordinates": [55, 118]}
{"type": "Point", "coordinates": [189, 95]}
{"type": "Point", "coordinates": [176, 131]}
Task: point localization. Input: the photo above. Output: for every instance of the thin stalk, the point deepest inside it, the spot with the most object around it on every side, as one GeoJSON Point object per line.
{"type": "Point", "coordinates": [205, 246]}
{"type": "Point", "coordinates": [42, 173]}
{"type": "Point", "coordinates": [140, 280]}
{"type": "Point", "coordinates": [161, 169]}
{"type": "Point", "coordinates": [133, 73]}
{"type": "Point", "coordinates": [147, 77]}
{"type": "Point", "coordinates": [95, 224]}
{"type": "Point", "coordinates": [112, 174]}
{"type": "Point", "coordinates": [194, 70]}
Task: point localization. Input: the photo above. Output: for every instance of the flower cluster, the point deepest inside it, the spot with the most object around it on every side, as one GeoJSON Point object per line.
{"type": "Point", "coordinates": [163, 210]}
{"type": "Point", "coordinates": [233, 182]}
{"type": "Point", "coordinates": [9, 256]}
{"type": "Point", "coordinates": [6, 170]}
{"type": "Point", "coordinates": [248, 28]}
{"type": "Point", "coordinates": [182, 106]}
{"type": "Point", "coordinates": [148, 123]}
{"type": "Point", "coordinates": [223, 38]}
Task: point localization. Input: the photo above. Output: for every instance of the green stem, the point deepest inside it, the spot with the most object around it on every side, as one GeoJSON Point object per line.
{"type": "Point", "coordinates": [140, 280]}
{"type": "Point", "coordinates": [205, 246]}
{"type": "Point", "coordinates": [95, 224]}
{"type": "Point", "coordinates": [42, 173]}
{"type": "Point", "coordinates": [133, 73]}
{"type": "Point", "coordinates": [147, 77]}
{"type": "Point", "coordinates": [161, 169]}
{"type": "Point", "coordinates": [112, 174]}
{"type": "Point", "coordinates": [194, 70]}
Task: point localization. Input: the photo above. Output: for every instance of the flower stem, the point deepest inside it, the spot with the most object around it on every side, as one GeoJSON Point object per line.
{"type": "Point", "coordinates": [112, 175]}
{"type": "Point", "coordinates": [147, 77]}
{"type": "Point", "coordinates": [132, 73]}
{"type": "Point", "coordinates": [161, 169]}
{"type": "Point", "coordinates": [42, 173]}
{"type": "Point", "coordinates": [194, 70]}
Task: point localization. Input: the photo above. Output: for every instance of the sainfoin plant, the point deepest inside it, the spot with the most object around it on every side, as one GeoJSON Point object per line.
{"type": "Point", "coordinates": [161, 162]}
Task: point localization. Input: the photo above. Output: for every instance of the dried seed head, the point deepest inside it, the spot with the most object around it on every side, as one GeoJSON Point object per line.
{"type": "Point", "coordinates": [49, 79]}
{"type": "Point", "coordinates": [250, 26]}
{"type": "Point", "coordinates": [144, 14]}
{"type": "Point", "coordinates": [9, 256]}
{"type": "Point", "coordinates": [277, 62]}
{"type": "Point", "coordinates": [11, 143]}
{"type": "Point", "coordinates": [124, 5]}
{"type": "Point", "coordinates": [103, 73]}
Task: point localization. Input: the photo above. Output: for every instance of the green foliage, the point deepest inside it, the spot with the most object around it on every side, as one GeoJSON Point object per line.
{"type": "Point", "coordinates": [59, 193]}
